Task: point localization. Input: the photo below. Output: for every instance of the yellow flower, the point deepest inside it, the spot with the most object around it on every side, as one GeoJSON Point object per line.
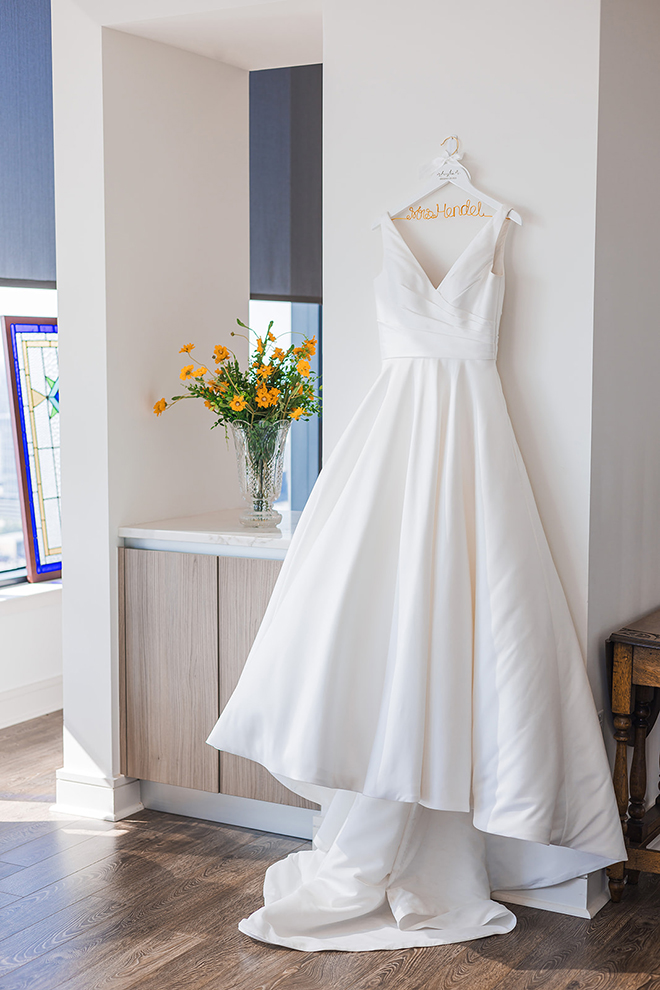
{"type": "Point", "coordinates": [200, 371]}
{"type": "Point", "coordinates": [263, 398]}
{"type": "Point", "coordinates": [208, 404]}
{"type": "Point", "coordinates": [279, 354]}
{"type": "Point", "coordinates": [271, 335]}
{"type": "Point", "coordinates": [265, 370]}
{"type": "Point", "coordinates": [160, 407]}
{"type": "Point", "coordinates": [186, 349]}
{"type": "Point", "coordinates": [303, 367]}
{"type": "Point", "coordinates": [187, 372]}
{"type": "Point", "coordinates": [298, 351]}
{"type": "Point", "coordinates": [219, 387]}
{"type": "Point", "coordinates": [267, 396]}
{"type": "Point", "coordinates": [238, 403]}
{"type": "Point", "coordinates": [310, 345]}
{"type": "Point", "coordinates": [220, 353]}
{"type": "Point", "coordinates": [296, 413]}
{"type": "Point", "coordinates": [260, 347]}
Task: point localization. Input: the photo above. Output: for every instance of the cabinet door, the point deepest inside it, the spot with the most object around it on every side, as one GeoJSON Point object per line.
{"type": "Point", "coordinates": [171, 667]}
{"type": "Point", "coordinates": [244, 586]}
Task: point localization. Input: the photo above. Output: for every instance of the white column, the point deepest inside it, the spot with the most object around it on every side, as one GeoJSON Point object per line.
{"type": "Point", "coordinates": [151, 187]}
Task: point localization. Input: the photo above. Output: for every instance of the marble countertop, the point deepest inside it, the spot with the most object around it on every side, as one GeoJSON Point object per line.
{"type": "Point", "coordinates": [213, 532]}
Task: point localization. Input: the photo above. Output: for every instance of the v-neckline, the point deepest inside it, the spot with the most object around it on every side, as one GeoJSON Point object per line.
{"type": "Point", "coordinates": [436, 288]}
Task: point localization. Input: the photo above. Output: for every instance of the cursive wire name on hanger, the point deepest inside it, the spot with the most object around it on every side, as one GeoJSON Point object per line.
{"type": "Point", "coordinates": [467, 209]}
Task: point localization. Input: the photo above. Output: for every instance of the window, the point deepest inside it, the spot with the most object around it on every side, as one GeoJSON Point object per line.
{"type": "Point", "coordinates": [14, 302]}
{"type": "Point", "coordinates": [285, 236]}
{"type": "Point", "coordinates": [302, 462]}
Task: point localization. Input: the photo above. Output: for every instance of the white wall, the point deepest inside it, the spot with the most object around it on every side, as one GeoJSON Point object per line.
{"type": "Point", "coordinates": [625, 497]}
{"type": "Point", "coordinates": [30, 651]}
{"type": "Point", "coordinates": [177, 261]}
{"type": "Point", "coordinates": [152, 248]}
{"type": "Point", "coordinates": [518, 81]}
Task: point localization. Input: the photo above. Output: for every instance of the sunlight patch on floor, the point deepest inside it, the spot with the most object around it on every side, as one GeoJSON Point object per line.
{"type": "Point", "coordinates": [31, 811]}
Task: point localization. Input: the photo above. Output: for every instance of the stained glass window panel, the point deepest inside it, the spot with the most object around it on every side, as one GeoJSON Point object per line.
{"type": "Point", "coordinates": [37, 392]}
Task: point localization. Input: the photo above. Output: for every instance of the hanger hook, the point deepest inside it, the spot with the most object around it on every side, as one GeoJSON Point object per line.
{"type": "Point", "coordinates": [452, 137]}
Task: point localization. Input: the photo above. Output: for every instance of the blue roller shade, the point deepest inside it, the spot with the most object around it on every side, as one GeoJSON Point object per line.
{"type": "Point", "coordinates": [285, 183]}
{"type": "Point", "coordinates": [27, 207]}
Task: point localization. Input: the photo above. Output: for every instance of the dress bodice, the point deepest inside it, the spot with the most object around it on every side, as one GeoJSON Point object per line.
{"type": "Point", "coordinates": [457, 319]}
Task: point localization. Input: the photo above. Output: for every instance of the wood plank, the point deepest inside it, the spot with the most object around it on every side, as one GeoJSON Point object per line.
{"type": "Point", "coordinates": [142, 927]}
{"type": "Point", "coordinates": [31, 878]}
{"type": "Point", "coordinates": [34, 788]}
{"type": "Point", "coordinates": [622, 679]}
{"type": "Point", "coordinates": [227, 958]}
{"type": "Point", "coordinates": [171, 667]}
{"type": "Point", "coordinates": [577, 948]}
{"type": "Point", "coordinates": [620, 960]}
{"type": "Point", "coordinates": [27, 911]}
{"type": "Point", "coordinates": [39, 728]}
{"type": "Point", "coordinates": [143, 956]}
{"type": "Point", "coordinates": [15, 833]}
{"type": "Point", "coordinates": [245, 585]}
{"type": "Point", "coordinates": [480, 964]}
{"type": "Point", "coordinates": [647, 627]}
{"type": "Point", "coordinates": [71, 834]}
{"type": "Point", "coordinates": [646, 666]}
{"type": "Point", "coordinates": [7, 869]}
{"type": "Point", "coordinates": [53, 931]}
{"type": "Point", "coordinates": [122, 875]}
{"type": "Point", "coordinates": [124, 954]}
{"type": "Point", "coordinates": [194, 969]}
{"type": "Point", "coordinates": [644, 859]}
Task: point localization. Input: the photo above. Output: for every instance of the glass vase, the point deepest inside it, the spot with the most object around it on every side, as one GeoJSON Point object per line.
{"type": "Point", "coordinates": [260, 458]}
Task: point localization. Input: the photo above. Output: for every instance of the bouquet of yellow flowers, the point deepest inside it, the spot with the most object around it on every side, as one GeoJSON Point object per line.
{"type": "Point", "coordinates": [277, 385]}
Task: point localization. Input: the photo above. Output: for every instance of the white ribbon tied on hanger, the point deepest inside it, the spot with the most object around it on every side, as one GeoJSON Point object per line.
{"type": "Point", "coordinates": [441, 165]}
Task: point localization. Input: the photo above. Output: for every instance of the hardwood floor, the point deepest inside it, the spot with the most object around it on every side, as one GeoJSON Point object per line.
{"type": "Point", "coordinates": [152, 903]}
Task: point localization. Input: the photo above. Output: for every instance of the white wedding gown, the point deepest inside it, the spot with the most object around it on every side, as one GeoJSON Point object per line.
{"type": "Point", "coordinates": [417, 671]}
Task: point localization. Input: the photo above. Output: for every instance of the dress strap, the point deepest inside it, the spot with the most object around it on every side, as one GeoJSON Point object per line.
{"type": "Point", "coordinates": [498, 254]}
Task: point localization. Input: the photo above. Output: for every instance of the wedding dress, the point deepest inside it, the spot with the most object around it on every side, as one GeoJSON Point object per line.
{"type": "Point", "coordinates": [417, 671]}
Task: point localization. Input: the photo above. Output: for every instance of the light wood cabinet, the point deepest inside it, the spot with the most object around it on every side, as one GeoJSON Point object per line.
{"type": "Point", "coordinates": [171, 667]}
{"type": "Point", "coordinates": [244, 588]}
{"type": "Point", "coordinates": [187, 622]}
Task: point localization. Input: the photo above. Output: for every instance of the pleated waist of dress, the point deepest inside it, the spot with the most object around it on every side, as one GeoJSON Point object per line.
{"type": "Point", "coordinates": [432, 343]}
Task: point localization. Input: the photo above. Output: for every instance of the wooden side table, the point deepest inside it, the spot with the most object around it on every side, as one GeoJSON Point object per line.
{"type": "Point", "coordinates": [635, 659]}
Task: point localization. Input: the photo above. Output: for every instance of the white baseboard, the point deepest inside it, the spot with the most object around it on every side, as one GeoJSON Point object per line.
{"type": "Point", "coordinates": [582, 897]}
{"type": "Point", "coordinates": [30, 701]}
{"type": "Point", "coordinates": [281, 818]}
{"type": "Point", "coordinates": [107, 798]}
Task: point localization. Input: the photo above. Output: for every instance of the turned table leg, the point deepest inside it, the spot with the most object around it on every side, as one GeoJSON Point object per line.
{"type": "Point", "coordinates": [621, 708]}
{"type": "Point", "coordinates": [622, 724]}
{"type": "Point", "coordinates": [637, 809]}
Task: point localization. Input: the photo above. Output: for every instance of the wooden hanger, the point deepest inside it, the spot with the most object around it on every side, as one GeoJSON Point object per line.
{"type": "Point", "coordinates": [448, 168]}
